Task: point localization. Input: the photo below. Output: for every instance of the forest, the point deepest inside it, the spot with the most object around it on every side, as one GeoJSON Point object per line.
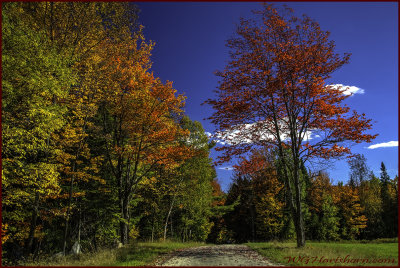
{"type": "Point", "coordinates": [98, 153]}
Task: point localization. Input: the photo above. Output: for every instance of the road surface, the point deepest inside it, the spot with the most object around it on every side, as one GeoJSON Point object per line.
{"type": "Point", "coordinates": [216, 255]}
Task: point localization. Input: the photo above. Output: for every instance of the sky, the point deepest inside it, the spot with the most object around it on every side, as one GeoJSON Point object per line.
{"type": "Point", "coordinates": [190, 46]}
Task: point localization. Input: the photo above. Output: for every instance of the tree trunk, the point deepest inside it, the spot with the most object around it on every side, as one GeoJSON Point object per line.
{"type": "Point", "coordinates": [166, 220]}
{"type": "Point", "coordinates": [299, 223]}
{"type": "Point", "coordinates": [296, 210]}
{"type": "Point", "coordinates": [123, 223]}
{"type": "Point", "coordinates": [79, 224]}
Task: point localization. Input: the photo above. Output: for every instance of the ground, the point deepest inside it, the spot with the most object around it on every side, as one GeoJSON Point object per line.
{"type": "Point", "coordinates": [216, 255]}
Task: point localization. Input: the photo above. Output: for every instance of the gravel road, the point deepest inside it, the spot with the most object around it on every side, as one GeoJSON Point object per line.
{"type": "Point", "coordinates": [218, 255]}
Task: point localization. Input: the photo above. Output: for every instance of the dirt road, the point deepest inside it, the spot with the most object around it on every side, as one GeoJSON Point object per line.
{"type": "Point", "coordinates": [218, 255]}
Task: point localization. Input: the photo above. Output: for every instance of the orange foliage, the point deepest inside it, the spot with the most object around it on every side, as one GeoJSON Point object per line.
{"type": "Point", "coordinates": [217, 194]}
{"type": "Point", "coordinates": [273, 91]}
{"type": "Point", "coordinates": [348, 201]}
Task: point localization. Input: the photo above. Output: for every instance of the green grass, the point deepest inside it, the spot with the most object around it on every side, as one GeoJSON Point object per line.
{"type": "Point", "coordinates": [329, 253]}
{"type": "Point", "coordinates": [138, 254]}
{"type": "Point", "coordinates": [145, 253]}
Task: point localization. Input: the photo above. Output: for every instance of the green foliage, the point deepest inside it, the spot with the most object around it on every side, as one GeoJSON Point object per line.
{"type": "Point", "coordinates": [389, 203]}
{"type": "Point", "coordinates": [34, 81]}
{"type": "Point", "coordinates": [370, 197]}
{"type": "Point", "coordinates": [329, 222]}
{"type": "Point", "coordinates": [180, 199]}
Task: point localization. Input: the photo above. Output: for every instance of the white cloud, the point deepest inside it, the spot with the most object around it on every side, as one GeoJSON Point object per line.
{"type": "Point", "coordinates": [384, 144]}
{"type": "Point", "coordinates": [226, 168]}
{"type": "Point", "coordinates": [210, 136]}
{"type": "Point", "coordinates": [220, 142]}
{"type": "Point", "coordinates": [255, 132]}
{"type": "Point", "coordinates": [348, 90]}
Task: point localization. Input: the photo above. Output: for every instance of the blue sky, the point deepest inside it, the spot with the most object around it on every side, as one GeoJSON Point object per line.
{"type": "Point", "coordinates": [190, 45]}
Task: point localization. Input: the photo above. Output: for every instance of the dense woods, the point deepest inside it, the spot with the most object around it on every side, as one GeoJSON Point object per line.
{"type": "Point", "coordinates": [98, 152]}
{"type": "Point", "coordinates": [332, 212]}
{"type": "Point", "coordinates": [96, 149]}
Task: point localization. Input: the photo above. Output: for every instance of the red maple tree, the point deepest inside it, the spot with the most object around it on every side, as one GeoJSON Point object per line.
{"type": "Point", "coordinates": [273, 95]}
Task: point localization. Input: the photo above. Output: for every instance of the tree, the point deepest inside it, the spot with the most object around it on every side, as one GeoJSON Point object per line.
{"type": "Point", "coordinates": [198, 173]}
{"type": "Point", "coordinates": [267, 195]}
{"type": "Point", "coordinates": [389, 203]}
{"type": "Point", "coordinates": [180, 198]}
{"type": "Point", "coordinates": [138, 119]}
{"type": "Point", "coordinates": [324, 223]}
{"type": "Point", "coordinates": [352, 218]}
{"type": "Point", "coordinates": [371, 202]}
{"type": "Point", "coordinates": [273, 94]}
{"type": "Point", "coordinates": [219, 232]}
{"type": "Point", "coordinates": [58, 44]}
{"type": "Point", "coordinates": [241, 220]}
{"type": "Point", "coordinates": [359, 171]}
{"type": "Point", "coordinates": [31, 113]}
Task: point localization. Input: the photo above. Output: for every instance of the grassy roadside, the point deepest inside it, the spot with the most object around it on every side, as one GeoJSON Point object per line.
{"type": "Point", "coordinates": [329, 253]}
{"type": "Point", "coordinates": [145, 253]}
{"type": "Point", "coordinates": [138, 254]}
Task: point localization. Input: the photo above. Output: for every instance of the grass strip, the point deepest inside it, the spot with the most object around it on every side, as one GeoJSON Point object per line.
{"type": "Point", "coordinates": [137, 254]}
{"type": "Point", "coordinates": [142, 254]}
{"type": "Point", "coordinates": [329, 253]}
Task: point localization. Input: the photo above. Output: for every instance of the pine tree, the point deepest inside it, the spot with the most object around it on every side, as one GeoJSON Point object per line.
{"type": "Point", "coordinates": [389, 208]}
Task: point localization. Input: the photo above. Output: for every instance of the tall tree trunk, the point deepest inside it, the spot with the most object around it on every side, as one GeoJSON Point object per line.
{"type": "Point", "coordinates": [79, 224]}
{"type": "Point", "coordinates": [299, 222]}
{"type": "Point", "coordinates": [166, 220]}
{"type": "Point", "coordinates": [295, 207]}
{"type": "Point", "coordinates": [124, 223]}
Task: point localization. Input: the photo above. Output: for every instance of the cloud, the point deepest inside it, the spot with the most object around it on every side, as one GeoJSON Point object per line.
{"type": "Point", "coordinates": [255, 132]}
{"type": "Point", "coordinates": [210, 136]}
{"type": "Point", "coordinates": [384, 144]}
{"type": "Point", "coordinates": [348, 90]}
{"type": "Point", "coordinates": [226, 168]}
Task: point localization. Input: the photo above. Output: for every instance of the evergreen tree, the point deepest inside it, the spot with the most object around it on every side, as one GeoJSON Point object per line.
{"type": "Point", "coordinates": [389, 203]}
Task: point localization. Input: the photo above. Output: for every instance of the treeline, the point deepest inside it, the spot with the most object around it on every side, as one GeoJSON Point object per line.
{"type": "Point", "coordinates": [96, 150]}
{"type": "Point", "coordinates": [363, 208]}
